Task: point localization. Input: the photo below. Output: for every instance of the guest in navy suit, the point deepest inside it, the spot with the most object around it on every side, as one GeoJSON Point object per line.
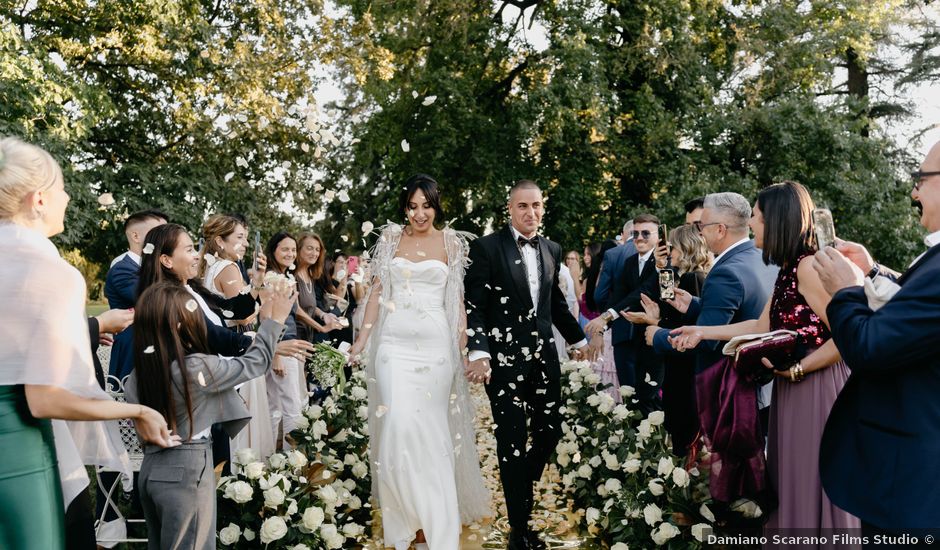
{"type": "Point", "coordinates": [880, 456]}
{"type": "Point", "coordinates": [639, 276]}
{"type": "Point", "coordinates": [737, 287]}
{"type": "Point", "coordinates": [120, 285]}
{"type": "Point", "coordinates": [611, 288]}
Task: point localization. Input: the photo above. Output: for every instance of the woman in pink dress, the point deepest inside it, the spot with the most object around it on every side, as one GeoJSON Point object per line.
{"type": "Point", "coordinates": [604, 365]}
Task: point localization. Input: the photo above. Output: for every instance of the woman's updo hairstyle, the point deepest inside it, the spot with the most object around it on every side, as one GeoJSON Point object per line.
{"type": "Point", "coordinates": [24, 168]}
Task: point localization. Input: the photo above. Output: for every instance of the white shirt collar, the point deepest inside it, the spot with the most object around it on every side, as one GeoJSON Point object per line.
{"type": "Point", "coordinates": [134, 256]}
{"type": "Point", "coordinates": [735, 245]}
{"type": "Point", "coordinates": [933, 239]}
{"type": "Point", "coordinates": [646, 257]}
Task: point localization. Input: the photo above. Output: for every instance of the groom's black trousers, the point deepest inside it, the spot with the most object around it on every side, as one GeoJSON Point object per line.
{"type": "Point", "coordinates": [538, 399]}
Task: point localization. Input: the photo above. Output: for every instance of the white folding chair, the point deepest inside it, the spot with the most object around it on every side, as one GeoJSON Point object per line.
{"type": "Point", "coordinates": [109, 533]}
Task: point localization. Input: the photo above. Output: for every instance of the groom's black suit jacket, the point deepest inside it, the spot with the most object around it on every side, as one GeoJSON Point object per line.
{"type": "Point", "coordinates": [498, 299]}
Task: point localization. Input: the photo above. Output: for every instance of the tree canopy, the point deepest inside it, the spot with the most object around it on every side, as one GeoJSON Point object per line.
{"type": "Point", "coordinates": [625, 106]}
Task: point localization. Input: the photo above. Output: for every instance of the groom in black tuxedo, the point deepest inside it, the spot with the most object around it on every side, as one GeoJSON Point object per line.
{"type": "Point", "coordinates": [513, 299]}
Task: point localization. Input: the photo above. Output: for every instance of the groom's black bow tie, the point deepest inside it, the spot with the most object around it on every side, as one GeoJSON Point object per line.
{"type": "Point", "coordinates": [533, 242]}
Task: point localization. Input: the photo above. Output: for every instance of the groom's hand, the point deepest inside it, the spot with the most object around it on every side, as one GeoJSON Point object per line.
{"type": "Point", "coordinates": [479, 371]}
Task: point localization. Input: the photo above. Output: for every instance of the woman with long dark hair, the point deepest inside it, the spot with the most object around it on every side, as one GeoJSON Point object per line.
{"type": "Point", "coordinates": [313, 323]}
{"type": "Point", "coordinates": [805, 389]}
{"type": "Point", "coordinates": [176, 374]}
{"type": "Point", "coordinates": [604, 365]}
{"type": "Point", "coordinates": [336, 283]}
{"type": "Point", "coordinates": [287, 386]}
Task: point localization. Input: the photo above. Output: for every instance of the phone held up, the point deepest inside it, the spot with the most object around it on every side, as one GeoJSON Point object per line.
{"type": "Point", "coordinates": [256, 250]}
{"type": "Point", "coordinates": [667, 278]}
{"type": "Point", "coordinates": [825, 229]}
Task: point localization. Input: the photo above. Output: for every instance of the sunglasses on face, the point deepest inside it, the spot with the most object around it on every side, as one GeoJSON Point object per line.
{"type": "Point", "coordinates": [921, 177]}
{"type": "Point", "coordinates": [645, 234]}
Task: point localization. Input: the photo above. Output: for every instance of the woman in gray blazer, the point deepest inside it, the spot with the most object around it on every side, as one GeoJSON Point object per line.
{"type": "Point", "coordinates": [177, 488]}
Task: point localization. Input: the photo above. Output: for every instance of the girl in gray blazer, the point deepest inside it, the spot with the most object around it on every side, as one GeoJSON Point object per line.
{"type": "Point", "coordinates": [175, 375]}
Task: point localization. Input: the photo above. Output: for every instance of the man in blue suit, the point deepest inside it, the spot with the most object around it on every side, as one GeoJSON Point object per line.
{"type": "Point", "coordinates": [880, 454]}
{"type": "Point", "coordinates": [736, 289]}
{"type": "Point", "coordinates": [120, 284]}
{"type": "Point", "coordinates": [610, 289]}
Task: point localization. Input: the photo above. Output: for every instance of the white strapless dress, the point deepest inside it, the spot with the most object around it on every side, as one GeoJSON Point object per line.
{"type": "Point", "coordinates": [414, 371]}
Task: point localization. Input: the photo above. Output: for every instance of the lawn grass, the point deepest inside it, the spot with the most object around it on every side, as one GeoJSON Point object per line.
{"type": "Point", "coordinates": [93, 309]}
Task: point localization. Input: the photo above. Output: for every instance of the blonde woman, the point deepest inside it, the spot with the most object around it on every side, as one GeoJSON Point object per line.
{"type": "Point", "coordinates": [46, 370]}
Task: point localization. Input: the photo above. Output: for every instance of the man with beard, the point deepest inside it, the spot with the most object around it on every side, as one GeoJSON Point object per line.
{"type": "Point", "coordinates": [884, 428]}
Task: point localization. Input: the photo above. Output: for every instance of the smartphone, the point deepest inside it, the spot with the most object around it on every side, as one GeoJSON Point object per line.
{"type": "Point", "coordinates": [256, 250]}
{"type": "Point", "coordinates": [667, 284]}
{"type": "Point", "coordinates": [825, 229]}
{"type": "Point", "coordinates": [664, 240]}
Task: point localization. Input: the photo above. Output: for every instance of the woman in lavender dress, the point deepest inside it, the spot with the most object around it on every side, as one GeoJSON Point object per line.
{"type": "Point", "coordinates": [803, 393]}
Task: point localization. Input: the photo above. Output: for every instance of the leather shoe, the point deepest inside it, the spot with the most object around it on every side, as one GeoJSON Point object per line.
{"type": "Point", "coordinates": [533, 541]}
{"type": "Point", "coordinates": [517, 540]}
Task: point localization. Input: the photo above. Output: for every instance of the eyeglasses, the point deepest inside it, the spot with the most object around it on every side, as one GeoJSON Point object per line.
{"type": "Point", "coordinates": [699, 225]}
{"type": "Point", "coordinates": [919, 178]}
{"type": "Point", "coordinates": [646, 233]}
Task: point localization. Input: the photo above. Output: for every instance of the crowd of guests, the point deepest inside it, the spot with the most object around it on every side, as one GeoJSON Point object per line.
{"type": "Point", "coordinates": [210, 344]}
{"type": "Point", "coordinates": [847, 413]}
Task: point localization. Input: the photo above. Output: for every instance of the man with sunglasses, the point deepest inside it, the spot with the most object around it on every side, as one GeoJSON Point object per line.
{"type": "Point", "coordinates": [884, 428]}
{"type": "Point", "coordinates": [637, 364]}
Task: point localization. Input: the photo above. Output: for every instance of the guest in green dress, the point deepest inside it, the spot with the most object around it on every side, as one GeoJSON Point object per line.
{"type": "Point", "coordinates": [46, 371]}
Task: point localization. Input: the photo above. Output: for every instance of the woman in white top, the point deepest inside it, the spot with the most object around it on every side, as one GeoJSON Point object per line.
{"type": "Point", "coordinates": [226, 240]}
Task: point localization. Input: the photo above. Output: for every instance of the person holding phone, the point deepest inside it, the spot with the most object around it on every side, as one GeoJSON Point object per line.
{"type": "Point", "coordinates": [690, 261]}
{"type": "Point", "coordinates": [639, 277]}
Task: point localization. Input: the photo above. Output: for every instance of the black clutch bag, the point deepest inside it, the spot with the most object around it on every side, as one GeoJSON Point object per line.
{"type": "Point", "coordinates": [779, 347]}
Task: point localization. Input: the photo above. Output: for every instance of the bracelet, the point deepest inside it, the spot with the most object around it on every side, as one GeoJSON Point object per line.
{"type": "Point", "coordinates": [796, 373]}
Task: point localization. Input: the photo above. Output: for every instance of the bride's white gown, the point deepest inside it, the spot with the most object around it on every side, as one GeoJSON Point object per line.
{"type": "Point", "coordinates": [414, 371]}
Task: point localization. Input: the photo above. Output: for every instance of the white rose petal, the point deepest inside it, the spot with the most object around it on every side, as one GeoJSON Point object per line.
{"type": "Point", "coordinates": [592, 515]}
{"type": "Point", "coordinates": [367, 227]}
{"type": "Point", "coordinates": [249, 535]}
{"type": "Point", "coordinates": [706, 513]}
{"type": "Point", "coordinates": [106, 199]}
{"type": "Point", "coordinates": [655, 486]}
{"type": "Point", "coordinates": [192, 306]}
{"type": "Point", "coordinates": [429, 100]}
{"type": "Point", "coordinates": [343, 196]}
{"type": "Point", "coordinates": [273, 529]}
{"type": "Point", "coordinates": [405, 146]}
{"type": "Point", "coordinates": [148, 248]}
{"type": "Point", "coordinates": [149, 349]}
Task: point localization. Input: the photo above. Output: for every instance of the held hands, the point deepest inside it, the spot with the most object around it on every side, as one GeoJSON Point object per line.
{"type": "Point", "coordinates": [682, 301]}
{"type": "Point", "coordinates": [685, 338]}
{"type": "Point", "coordinates": [588, 352]}
{"type": "Point", "coordinates": [836, 271]}
{"type": "Point", "coordinates": [152, 428]}
{"type": "Point", "coordinates": [479, 371]}
{"type": "Point", "coordinates": [355, 352]}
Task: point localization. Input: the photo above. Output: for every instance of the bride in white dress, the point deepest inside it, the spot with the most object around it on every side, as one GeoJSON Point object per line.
{"type": "Point", "coordinates": [425, 466]}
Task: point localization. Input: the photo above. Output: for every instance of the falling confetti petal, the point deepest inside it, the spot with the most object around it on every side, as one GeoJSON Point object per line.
{"type": "Point", "coordinates": [201, 379]}
{"type": "Point", "coordinates": [192, 306]}
{"type": "Point", "coordinates": [148, 248]}
{"type": "Point", "coordinates": [380, 411]}
{"type": "Point", "coordinates": [367, 227]}
{"type": "Point", "coordinates": [149, 349]}
{"type": "Point", "coordinates": [405, 146]}
{"type": "Point", "coordinates": [429, 100]}
{"type": "Point", "coordinates": [106, 199]}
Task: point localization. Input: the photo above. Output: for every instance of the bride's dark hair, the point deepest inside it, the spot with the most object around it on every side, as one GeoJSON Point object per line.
{"type": "Point", "coordinates": [427, 185]}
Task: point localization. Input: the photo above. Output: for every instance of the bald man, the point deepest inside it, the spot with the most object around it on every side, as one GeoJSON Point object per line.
{"type": "Point", "coordinates": [880, 456]}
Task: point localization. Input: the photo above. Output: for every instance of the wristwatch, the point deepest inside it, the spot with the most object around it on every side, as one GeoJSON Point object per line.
{"type": "Point", "coordinates": [607, 316]}
{"type": "Point", "coordinates": [875, 271]}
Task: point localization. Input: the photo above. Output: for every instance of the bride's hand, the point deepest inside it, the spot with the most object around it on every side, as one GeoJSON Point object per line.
{"type": "Point", "coordinates": [479, 371]}
{"type": "Point", "coordinates": [355, 353]}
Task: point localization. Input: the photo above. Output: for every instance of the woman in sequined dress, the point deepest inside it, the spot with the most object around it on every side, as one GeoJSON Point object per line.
{"type": "Point", "coordinates": [803, 393]}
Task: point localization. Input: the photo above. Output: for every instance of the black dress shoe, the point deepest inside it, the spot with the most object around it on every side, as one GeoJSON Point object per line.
{"type": "Point", "coordinates": [533, 541]}
{"type": "Point", "coordinates": [517, 540]}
